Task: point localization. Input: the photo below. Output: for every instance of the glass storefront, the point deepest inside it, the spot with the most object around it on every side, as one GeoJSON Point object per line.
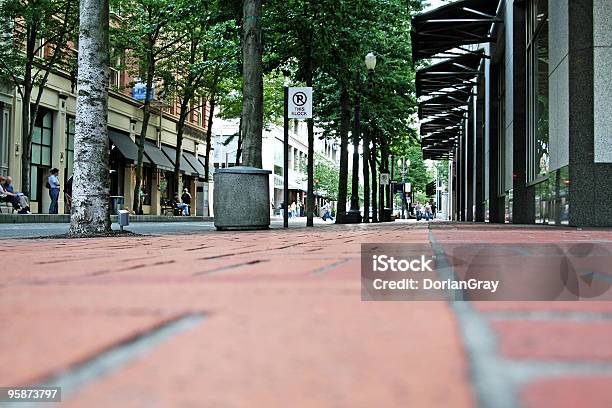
{"type": "Point", "coordinates": [537, 82]}
{"type": "Point", "coordinates": [42, 141]}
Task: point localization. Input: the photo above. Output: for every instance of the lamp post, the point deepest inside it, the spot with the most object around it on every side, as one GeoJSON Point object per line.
{"type": "Point", "coordinates": [404, 164]}
{"type": "Point", "coordinates": [354, 214]}
{"type": "Point", "coordinates": [370, 63]}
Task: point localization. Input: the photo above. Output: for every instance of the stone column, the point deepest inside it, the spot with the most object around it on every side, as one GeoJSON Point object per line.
{"type": "Point", "coordinates": [58, 149]}
{"type": "Point", "coordinates": [479, 173]}
{"type": "Point", "coordinates": [590, 104]}
{"type": "Point", "coordinates": [470, 161]}
{"type": "Point", "coordinates": [523, 208]}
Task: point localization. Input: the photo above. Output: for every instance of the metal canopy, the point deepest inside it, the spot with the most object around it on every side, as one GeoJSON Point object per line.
{"type": "Point", "coordinates": [457, 74]}
{"type": "Point", "coordinates": [451, 26]}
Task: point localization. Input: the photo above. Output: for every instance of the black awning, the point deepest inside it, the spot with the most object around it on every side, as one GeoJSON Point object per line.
{"type": "Point", "coordinates": [454, 75]}
{"type": "Point", "coordinates": [194, 162]}
{"type": "Point", "coordinates": [158, 157]}
{"type": "Point", "coordinates": [126, 146]}
{"type": "Point", "coordinates": [451, 26]}
{"type": "Point", "coordinates": [170, 152]}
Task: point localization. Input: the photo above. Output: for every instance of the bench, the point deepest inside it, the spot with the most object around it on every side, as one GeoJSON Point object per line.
{"type": "Point", "coordinates": [168, 208]}
{"type": "Point", "coordinates": [6, 207]}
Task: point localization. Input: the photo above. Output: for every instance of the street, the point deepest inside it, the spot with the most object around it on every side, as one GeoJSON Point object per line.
{"type": "Point", "coordinates": [275, 318]}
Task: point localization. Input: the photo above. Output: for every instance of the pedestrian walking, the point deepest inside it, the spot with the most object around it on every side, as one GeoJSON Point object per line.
{"type": "Point", "coordinates": [53, 185]}
{"type": "Point", "coordinates": [433, 209]}
{"type": "Point", "coordinates": [427, 211]}
{"type": "Point", "coordinates": [417, 209]}
{"type": "Point", "coordinates": [327, 212]}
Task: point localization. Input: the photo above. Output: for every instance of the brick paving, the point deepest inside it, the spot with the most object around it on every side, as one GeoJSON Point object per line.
{"type": "Point", "coordinates": [284, 325]}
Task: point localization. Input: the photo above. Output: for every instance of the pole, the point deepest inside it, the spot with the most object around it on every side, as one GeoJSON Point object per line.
{"type": "Point", "coordinates": [286, 162]}
{"type": "Point", "coordinates": [310, 200]}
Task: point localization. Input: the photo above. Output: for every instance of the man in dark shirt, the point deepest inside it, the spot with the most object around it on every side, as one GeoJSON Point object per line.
{"type": "Point", "coordinates": [186, 198]}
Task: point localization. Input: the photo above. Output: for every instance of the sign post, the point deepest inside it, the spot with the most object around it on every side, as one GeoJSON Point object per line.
{"type": "Point", "coordinates": [298, 105]}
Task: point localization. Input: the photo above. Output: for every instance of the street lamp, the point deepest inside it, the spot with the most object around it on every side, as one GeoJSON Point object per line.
{"type": "Point", "coordinates": [370, 61]}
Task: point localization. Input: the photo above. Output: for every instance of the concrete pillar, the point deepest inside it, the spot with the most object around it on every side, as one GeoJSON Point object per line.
{"type": "Point", "coordinates": [155, 193]}
{"type": "Point", "coordinates": [479, 173]}
{"type": "Point", "coordinates": [590, 103]}
{"type": "Point", "coordinates": [523, 208]}
{"type": "Point", "coordinates": [15, 140]}
{"type": "Point", "coordinates": [470, 161]}
{"type": "Point", "coordinates": [58, 149]}
{"type": "Point", "coordinates": [496, 212]}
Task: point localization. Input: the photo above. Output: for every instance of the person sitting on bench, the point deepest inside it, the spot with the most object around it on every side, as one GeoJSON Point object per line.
{"type": "Point", "coordinates": [19, 200]}
{"type": "Point", "coordinates": [181, 206]}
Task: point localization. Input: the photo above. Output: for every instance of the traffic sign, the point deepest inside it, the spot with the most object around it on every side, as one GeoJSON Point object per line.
{"type": "Point", "coordinates": [384, 179]}
{"type": "Point", "coordinates": [300, 103]}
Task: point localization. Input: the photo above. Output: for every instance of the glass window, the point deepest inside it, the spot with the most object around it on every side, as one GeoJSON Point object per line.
{"type": "Point", "coordinates": [537, 68]}
{"type": "Point", "coordinates": [36, 135]}
{"type": "Point", "coordinates": [4, 140]}
{"type": "Point", "coordinates": [69, 153]}
{"type": "Point", "coordinates": [35, 153]}
{"type": "Point", "coordinates": [42, 139]}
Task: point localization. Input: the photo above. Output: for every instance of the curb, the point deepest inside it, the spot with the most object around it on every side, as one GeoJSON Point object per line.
{"type": "Point", "coordinates": [65, 218]}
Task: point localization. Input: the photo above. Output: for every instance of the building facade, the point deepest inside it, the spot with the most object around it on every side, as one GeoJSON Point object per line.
{"type": "Point", "coordinates": [53, 145]}
{"type": "Point", "coordinates": [520, 103]}
{"type": "Point", "coordinates": [225, 146]}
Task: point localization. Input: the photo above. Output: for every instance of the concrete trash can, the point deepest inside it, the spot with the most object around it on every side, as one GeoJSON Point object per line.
{"type": "Point", "coordinates": [241, 198]}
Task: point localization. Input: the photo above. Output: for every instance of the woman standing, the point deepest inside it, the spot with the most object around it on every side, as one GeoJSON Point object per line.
{"type": "Point", "coordinates": [54, 190]}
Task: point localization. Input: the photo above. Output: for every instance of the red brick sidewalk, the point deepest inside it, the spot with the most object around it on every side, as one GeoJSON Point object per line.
{"type": "Point", "coordinates": [284, 325]}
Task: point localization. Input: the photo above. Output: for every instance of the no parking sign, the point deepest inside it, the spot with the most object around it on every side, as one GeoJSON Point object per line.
{"type": "Point", "coordinates": [300, 103]}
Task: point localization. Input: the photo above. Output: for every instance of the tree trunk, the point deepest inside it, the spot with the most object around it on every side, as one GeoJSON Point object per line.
{"type": "Point", "coordinates": [381, 190]}
{"type": "Point", "coordinates": [211, 113]}
{"type": "Point", "coordinates": [366, 177]}
{"type": "Point", "coordinates": [384, 168]}
{"type": "Point", "coordinates": [239, 148]}
{"type": "Point", "coordinates": [90, 191]}
{"type": "Point", "coordinates": [146, 111]}
{"type": "Point", "coordinates": [26, 142]}
{"type": "Point", "coordinates": [343, 179]}
{"type": "Point", "coordinates": [374, 180]}
{"type": "Point", "coordinates": [356, 134]}
{"type": "Point", "coordinates": [252, 103]}
{"type": "Point", "coordinates": [180, 129]}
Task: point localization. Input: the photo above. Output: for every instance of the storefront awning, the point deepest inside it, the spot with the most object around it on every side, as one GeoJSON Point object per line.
{"type": "Point", "coordinates": [126, 146]}
{"type": "Point", "coordinates": [451, 27]}
{"type": "Point", "coordinates": [170, 152]}
{"type": "Point", "coordinates": [157, 157]}
{"type": "Point", "coordinates": [194, 162]}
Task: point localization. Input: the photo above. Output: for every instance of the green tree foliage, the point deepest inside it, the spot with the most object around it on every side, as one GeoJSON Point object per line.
{"type": "Point", "coordinates": [36, 40]}
{"type": "Point", "coordinates": [147, 32]}
{"type": "Point", "coordinates": [195, 73]}
{"type": "Point", "coordinates": [326, 176]}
